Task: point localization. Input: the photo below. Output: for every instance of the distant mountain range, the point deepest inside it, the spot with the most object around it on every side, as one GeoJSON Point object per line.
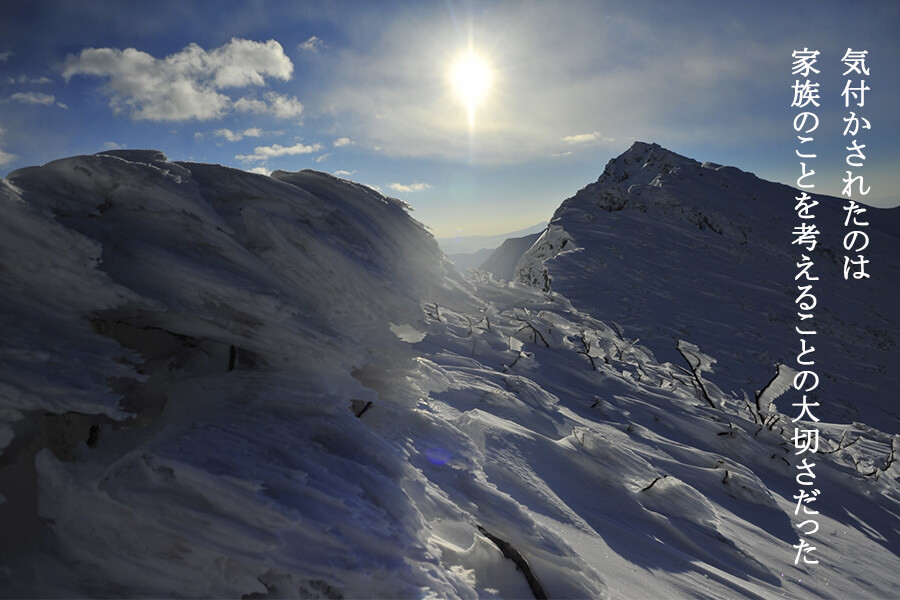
{"type": "Point", "coordinates": [473, 243]}
{"type": "Point", "coordinates": [502, 262]}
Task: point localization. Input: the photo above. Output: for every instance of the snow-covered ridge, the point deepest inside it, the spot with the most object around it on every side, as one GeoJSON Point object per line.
{"type": "Point", "coordinates": [647, 177]}
{"type": "Point", "coordinates": [195, 250]}
{"type": "Point", "coordinates": [674, 249]}
{"type": "Point", "coordinates": [125, 274]}
{"type": "Point", "coordinates": [219, 384]}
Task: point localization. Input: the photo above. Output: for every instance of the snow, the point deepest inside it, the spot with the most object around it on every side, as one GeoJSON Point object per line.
{"type": "Point", "coordinates": [672, 249]}
{"type": "Point", "coordinates": [501, 264]}
{"type": "Point", "coordinates": [222, 384]}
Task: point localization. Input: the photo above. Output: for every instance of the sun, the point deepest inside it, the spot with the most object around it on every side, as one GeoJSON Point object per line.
{"type": "Point", "coordinates": [471, 77]}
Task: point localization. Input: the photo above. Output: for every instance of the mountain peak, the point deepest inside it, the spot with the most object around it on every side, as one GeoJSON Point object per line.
{"type": "Point", "coordinates": [683, 246]}
{"type": "Point", "coordinates": [638, 148]}
{"type": "Point", "coordinates": [643, 162]}
{"type": "Point", "coordinates": [648, 176]}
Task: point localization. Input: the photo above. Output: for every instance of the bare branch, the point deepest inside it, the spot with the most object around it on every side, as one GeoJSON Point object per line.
{"type": "Point", "coordinates": [437, 312]}
{"type": "Point", "coordinates": [652, 483]}
{"type": "Point", "coordinates": [535, 333]}
{"type": "Point", "coordinates": [522, 565]}
{"type": "Point", "coordinates": [697, 380]}
{"type": "Point", "coordinates": [841, 445]}
{"type": "Point", "coordinates": [587, 350]}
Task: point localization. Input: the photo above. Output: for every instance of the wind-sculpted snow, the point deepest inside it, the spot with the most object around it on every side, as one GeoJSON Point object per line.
{"type": "Point", "coordinates": [673, 249]}
{"type": "Point", "coordinates": [218, 384]}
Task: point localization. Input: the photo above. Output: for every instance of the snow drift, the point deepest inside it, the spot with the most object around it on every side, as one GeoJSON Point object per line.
{"type": "Point", "coordinates": [219, 384]}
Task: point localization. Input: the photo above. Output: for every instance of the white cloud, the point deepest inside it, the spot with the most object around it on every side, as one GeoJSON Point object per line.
{"type": "Point", "coordinates": [250, 105]}
{"type": "Point", "coordinates": [236, 136]}
{"type": "Point", "coordinates": [112, 146]}
{"type": "Point", "coordinates": [313, 44]}
{"type": "Point", "coordinates": [261, 171]}
{"type": "Point", "coordinates": [240, 63]}
{"type": "Point", "coordinates": [4, 56]}
{"type": "Point", "coordinates": [560, 154]}
{"type": "Point", "coordinates": [343, 173]}
{"type": "Point", "coordinates": [36, 98]}
{"type": "Point", "coordinates": [343, 141]}
{"type": "Point", "coordinates": [5, 157]}
{"type": "Point", "coordinates": [183, 86]}
{"type": "Point", "coordinates": [276, 105]}
{"type": "Point", "coordinates": [582, 138]}
{"type": "Point", "coordinates": [407, 188]}
{"type": "Point", "coordinates": [322, 158]}
{"type": "Point", "coordinates": [266, 152]}
{"type": "Point", "coordinates": [283, 107]}
{"type": "Point", "coordinates": [25, 80]}
{"type": "Point", "coordinates": [384, 95]}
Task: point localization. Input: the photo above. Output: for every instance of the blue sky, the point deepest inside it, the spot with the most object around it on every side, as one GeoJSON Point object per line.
{"type": "Point", "coordinates": [364, 90]}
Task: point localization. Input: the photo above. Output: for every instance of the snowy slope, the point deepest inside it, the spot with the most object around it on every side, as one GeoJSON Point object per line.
{"type": "Point", "coordinates": [671, 249]}
{"type": "Point", "coordinates": [218, 384]}
{"type": "Point", "coordinates": [503, 261]}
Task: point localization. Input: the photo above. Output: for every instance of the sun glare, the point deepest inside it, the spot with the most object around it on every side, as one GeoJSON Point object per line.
{"type": "Point", "coordinates": [471, 77]}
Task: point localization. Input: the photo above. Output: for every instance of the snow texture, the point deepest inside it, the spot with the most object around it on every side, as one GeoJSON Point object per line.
{"type": "Point", "coordinates": [672, 249]}
{"type": "Point", "coordinates": [220, 384]}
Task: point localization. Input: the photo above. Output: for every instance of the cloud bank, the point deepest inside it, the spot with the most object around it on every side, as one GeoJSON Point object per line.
{"type": "Point", "coordinates": [236, 136]}
{"type": "Point", "coordinates": [266, 152]}
{"type": "Point", "coordinates": [189, 84]}
{"type": "Point", "coordinates": [38, 98]}
{"type": "Point", "coordinates": [582, 138]}
{"type": "Point", "coordinates": [5, 157]}
{"type": "Point", "coordinates": [407, 188]}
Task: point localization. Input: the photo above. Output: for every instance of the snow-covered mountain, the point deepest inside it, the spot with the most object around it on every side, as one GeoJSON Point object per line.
{"type": "Point", "coordinates": [470, 260]}
{"type": "Point", "coordinates": [467, 244]}
{"type": "Point", "coordinates": [502, 262]}
{"type": "Point", "coordinates": [220, 384]}
{"type": "Point", "coordinates": [470, 252]}
{"type": "Point", "coordinates": [672, 249]}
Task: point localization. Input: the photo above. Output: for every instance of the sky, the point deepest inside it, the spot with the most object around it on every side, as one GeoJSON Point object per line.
{"type": "Point", "coordinates": [371, 91]}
